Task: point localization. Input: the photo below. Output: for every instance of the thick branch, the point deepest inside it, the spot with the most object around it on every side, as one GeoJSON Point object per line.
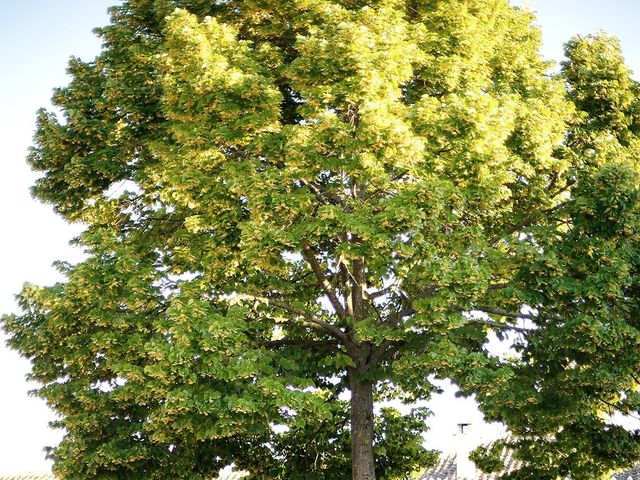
{"type": "Point", "coordinates": [310, 320]}
{"type": "Point", "coordinates": [384, 351]}
{"type": "Point", "coordinates": [619, 409]}
{"type": "Point", "coordinates": [502, 326]}
{"type": "Point", "coordinates": [358, 289]}
{"type": "Point", "coordinates": [502, 313]}
{"type": "Point", "coordinates": [389, 347]}
{"type": "Point", "coordinates": [311, 259]}
{"type": "Point", "coordinates": [326, 196]}
{"type": "Point", "coordinates": [301, 342]}
{"type": "Point", "coordinates": [525, 222]}
{"type": "Point", "coordinates": [380, 293]}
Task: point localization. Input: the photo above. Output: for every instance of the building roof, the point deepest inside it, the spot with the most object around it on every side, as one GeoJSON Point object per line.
{"type": "Point", "coordinates": [633, 474]}
{"type": "Point", "coordinates": [446, 470]}
{"type": "Point", "coordinates": [225, 474]}
{"type": "Point", "coordinates": [28, 476]}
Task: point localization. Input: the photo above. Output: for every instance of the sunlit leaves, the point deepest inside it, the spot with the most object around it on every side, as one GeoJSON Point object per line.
{"type": "Point", "coordinates": [284, 196]}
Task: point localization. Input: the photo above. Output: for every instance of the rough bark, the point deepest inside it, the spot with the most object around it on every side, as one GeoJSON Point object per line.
{"type": "Point", "coordinates": [362, 459]}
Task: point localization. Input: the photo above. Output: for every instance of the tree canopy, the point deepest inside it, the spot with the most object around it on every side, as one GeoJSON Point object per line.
{"type": "Point", "coordinates": [296, 210]}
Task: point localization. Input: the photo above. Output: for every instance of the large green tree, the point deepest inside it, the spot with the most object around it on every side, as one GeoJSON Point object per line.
{"type": "Point", "coordinates": [297, 209]}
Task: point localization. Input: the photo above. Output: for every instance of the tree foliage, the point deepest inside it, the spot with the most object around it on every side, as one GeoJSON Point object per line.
{"type": "Point", "coordinates": [287, 202]}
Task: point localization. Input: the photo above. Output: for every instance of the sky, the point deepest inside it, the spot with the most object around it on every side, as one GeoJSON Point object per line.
{"type": "Point", "coordinates": [37, 37]}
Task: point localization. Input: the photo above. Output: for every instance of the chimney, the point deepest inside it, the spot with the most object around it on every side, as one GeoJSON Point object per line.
{"type": "Point", "coordinates": [465, 468]}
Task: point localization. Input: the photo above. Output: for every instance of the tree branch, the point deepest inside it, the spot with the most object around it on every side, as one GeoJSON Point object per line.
{"type": "Point", "coordinates": [324, 195]}
{"type": "Point", "coordinates": [619, 409]}
{"type": "Point", "coordinates": [505, 313]}
{"type": "Point", "coordinates": [409, 310]}
{"type": "Point", "coordinates": [525, 222]}
{"type": "Point", "coordinates": [385, 350]}
{"type": "Point", "coordinates": [301, 342]}
{"type": "Point", "coordinates": [389, 347]}
{"type": "Point", "coordinates": [311, 320]}
{"type": "Point", "coordinates": [503, 326]}
{"type": "Point", "coordinates": [311, 259]}
{"type": "Point", "coordinates": [380, 293]}
{"type": "Point", "coordinates": [502, 313]}
{"type": "Point", "coordinates": [358, 289]}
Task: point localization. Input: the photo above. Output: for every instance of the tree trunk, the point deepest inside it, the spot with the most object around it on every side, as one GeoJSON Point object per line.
{"type": "Point", "coordinates": [362, 460]}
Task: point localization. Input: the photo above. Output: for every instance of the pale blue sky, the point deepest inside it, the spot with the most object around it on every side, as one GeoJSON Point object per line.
{"type": "Point", "coordinates": [561, 19]}
{"type": "Point", "coordinates": [37, 37]}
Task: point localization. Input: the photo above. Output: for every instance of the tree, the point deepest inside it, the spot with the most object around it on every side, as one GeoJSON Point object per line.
{"type": "Point", "coordinates": [297, 209]}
